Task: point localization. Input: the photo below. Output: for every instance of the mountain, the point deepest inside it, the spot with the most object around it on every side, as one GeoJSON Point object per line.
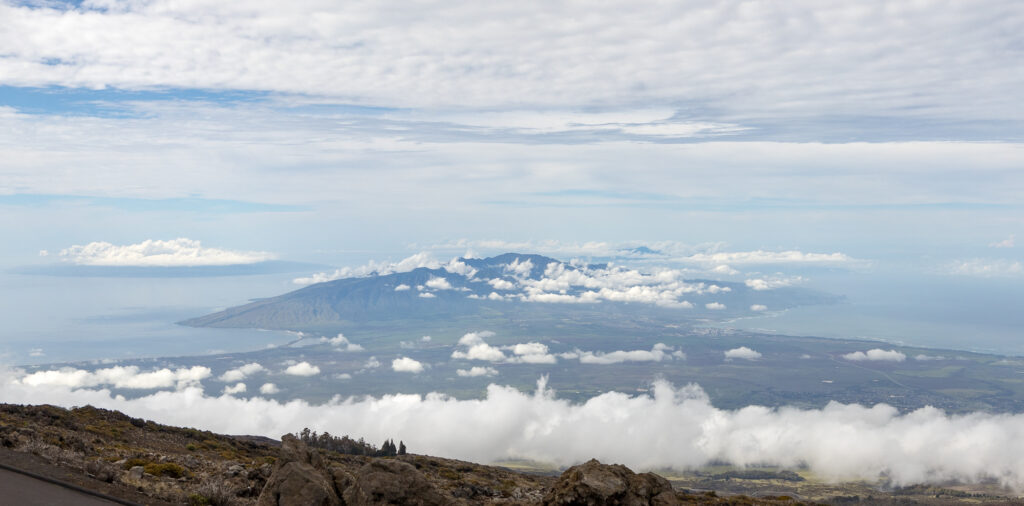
{"type": "Point", "coordinates": [512, 282]}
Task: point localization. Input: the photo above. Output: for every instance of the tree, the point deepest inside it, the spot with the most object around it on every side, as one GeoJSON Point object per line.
{"type": "Point", "coordinates": [401, 447]}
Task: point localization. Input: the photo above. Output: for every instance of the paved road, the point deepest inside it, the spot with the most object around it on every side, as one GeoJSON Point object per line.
{"type": "Point", "coordinates": [16, 488]}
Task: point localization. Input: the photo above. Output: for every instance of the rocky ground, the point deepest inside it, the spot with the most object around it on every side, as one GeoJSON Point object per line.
{"type": "Point", "coordinates": [145, 462]}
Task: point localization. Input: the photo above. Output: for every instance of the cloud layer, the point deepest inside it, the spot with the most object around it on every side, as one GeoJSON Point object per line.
{"type": "Point", "coordinates": [157, 253]}
{"type": "Point", "coordinates": [669, 428]}
{"type": "Point", "coordinates": [571, 54]}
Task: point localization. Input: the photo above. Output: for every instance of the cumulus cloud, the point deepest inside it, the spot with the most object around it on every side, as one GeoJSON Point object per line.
{"type": "Point", "coordinates": [924, 358]}
{"type": "Point", "coordinates": [658, 353]}
{"type": "Point", "coordinates": [421, 259]}
{"type": "Point", "coordinates": [876, 354]}
{"type": "Point", "coordinates": [236, 389]}
{"type": "Point", "coordinates": [715, 306]}
{"type": "Point", "coordinates": [402, 287]}
{"type": "Point", "coordinates": [671, 427]}
{"type": "Point", "coordinates": [501, 284]}
{"type": "Point", "coordinates": [425, 339]}
{"type": "Point", "coordinates": [427, 295]}
{"type": "Point", "coordinates": [477, 371]}
{"type": "Point", "coordinates": [302, 369]}
{"type": "Point", "coordinates": [342, 342]}
{"type": "Point", "coordinates": [127, 377]}
{"type": "Point", "coordinates": [156, 253]}
{"type": "Point", "coordinates": [241, 373]}
{"type": "Point", "coordinates": [406, 364]}
{"type": "Point", "coordinates": [761, 284]}
{"type": "Point", "coordinates": [477, 349]}
{"type": "Point", "coordinates": [742, 353]}
{"type": "Point", "coordinates": [438, 284]}
{"type": "Point", "coordinates": [758, 307]}
{"type": "Point", "coordinates": [269, 389]}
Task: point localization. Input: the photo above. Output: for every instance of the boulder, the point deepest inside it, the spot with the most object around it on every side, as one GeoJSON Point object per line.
{"type": "Point", "coordinates": [298, 484]}
{"type": "Point", "coordinates": [594, 483]}
{"type": "Point", "coordinates": [389, 482]}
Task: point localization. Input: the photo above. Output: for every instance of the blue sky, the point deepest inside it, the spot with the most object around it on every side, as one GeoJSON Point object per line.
{"type": "Point", "coordinates": [885, 131]}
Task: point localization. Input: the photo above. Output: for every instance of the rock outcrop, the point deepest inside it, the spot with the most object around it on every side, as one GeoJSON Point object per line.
{"type": "Point", "coordinates": [301, 478]}
{"type": "Point", "coordinates": [594, 483]}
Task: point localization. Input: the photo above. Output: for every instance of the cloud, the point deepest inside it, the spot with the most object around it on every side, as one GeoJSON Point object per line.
{"type": "Point", "coordinates": [402, 287]}
{"type": "Point", "coordinates": [986, 268]}
{"type": "Point", "coordinates": [742, 353]}
{"type": "Point", "coordinates": [236, 389]}
{"type": "Point", "coordinates": [758, 307]}
{"type": "Point", "coordinates": [425, 339]}
{"type": "Point", "coordinates": [761, 284]}
{"type": "Point", "coordinates": [156, 253]}
{"type": "Point", "coordinates": [761, 257]}
{"type": "Point", "coordinates": [715, 306]}
{"type": "Point", "coordinates": [1005, 243]}
{"type": "Point", "coordinates": [438, 284]}
{"type": "Point", "coordinates": [371, 363]}
{"type": "Point", "coordinates": [477, 371]}
{"type": "Point", "coordinates": [427, 295]}
{"type": "Point", "coordinates": [501, 284]}
{"type": "Point", "coordinates": [269, 389]}
{"type": "Point", "coordinates": [657, 353]}
{"type": "Point", "coordinates": [421, 259]}
{"type": "Point", "coordinates": [267, 47]}
{"type": "Point", "coordinates": [340, 341]}
{"type": "Point", "coordinates": [924, 358]}
{"type": "Point", "coordinates": [241, 373]}
{"type": "Point", "coordinates": [127, 377]}
{"type": "Point", "coordinates": [302, 369]}
{"type": "Point", "coordinates": [406, 364]}
{"type": "Point", "coordinates": [670, 428]}
{"type": "Point", "coordinates": [876, 354]}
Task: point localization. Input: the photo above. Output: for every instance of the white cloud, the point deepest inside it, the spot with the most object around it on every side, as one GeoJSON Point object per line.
{"type": "Point", "coordinates": [742, 353]}
{"type": "Point", "coordinates": [761, 257]}
{"type": "Point", "coordinates": [715, 305]}
{"type": "Point", "coordinates": [236, 389]}
{"type": "Point", "coordinates": [427, 295]}
{"type": "Point", "coordinates": [402, 287]}
{"type": "Point", "coordinates": [371, 363]}
{"type": "Point", "coordinates": [406, 364]}
{"type": "Point", "coordinates": [477, 371]}
{"type": "Point", "coordinates": [341, 341]}
{"type": "Point", "coordinates": [456, 266]}
{"type": "Point", "coordinates": [986, 268]}
{"type": "Point", "coordinates": [1005, 243]}
{"type": "Point", "coordinates": [425, 339]}
{"type": "Point", "coordinates": [422, 259]}
{"type": "Point", "coordinates": [657, 353]}
{"type": "Point", "coordinates": [876, 354]}
{"type": "Point", "coordinates": [302, 369]}
{"type": "Point", "coordinates": [268, 47]}
{"type": "Point", "coordinates": [924, 358]}
{"type": "Point", "coordinates": [241, 373]}
{"type": "Point", "coordinates": [269, 389]}
{"type": "Point", "coordinates": [501, 284]}
{"type": "Point", "coordinates": [438, 284]}
{"type": "Point", "coordinates": [156, 253]}
{"type": "Point", "coordinates": [127, 377]}
{"type": "Point", "coordinates": [761, 284]}
{"type": "Point", "coordinates": [671, 428]}
{"type": "Point", "coordinates": [343, 376]}
{"type": "Point", "coordinates": [758, 307]}
{"type": "Point", "coordinates": [519, 268]}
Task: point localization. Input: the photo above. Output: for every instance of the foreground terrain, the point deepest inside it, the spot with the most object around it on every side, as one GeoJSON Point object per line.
{"type": "Point", "coordinates": [141, 461]}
